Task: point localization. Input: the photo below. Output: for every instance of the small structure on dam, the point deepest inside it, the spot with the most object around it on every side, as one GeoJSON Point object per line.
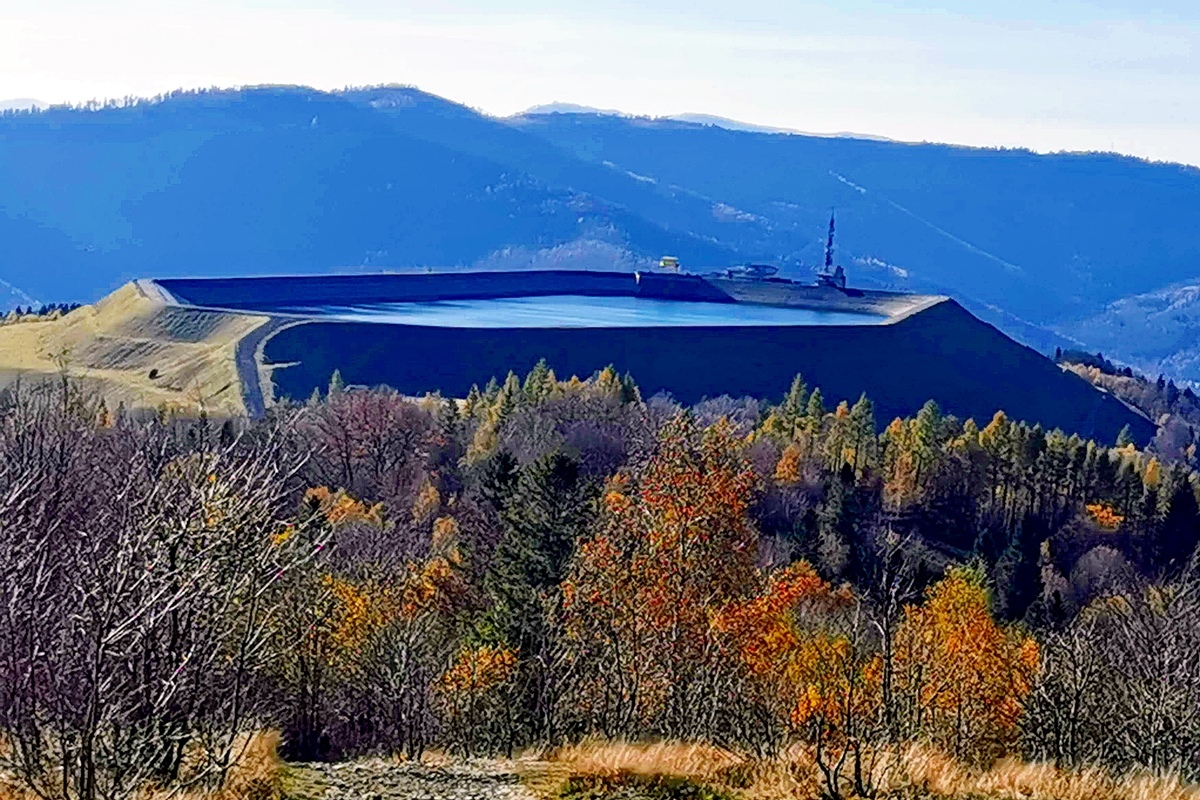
{"type": "Point", "coordinates": [688, 335]}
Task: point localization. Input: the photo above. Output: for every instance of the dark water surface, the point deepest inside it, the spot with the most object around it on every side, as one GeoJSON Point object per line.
{"type": "Point", "coordinates": [577, 311]}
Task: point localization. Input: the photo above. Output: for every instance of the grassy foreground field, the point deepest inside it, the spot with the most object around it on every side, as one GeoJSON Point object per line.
{"type": "Point", "coordinates": [659, 771]}
{"type": "Point", "coordinates": [134, 350]}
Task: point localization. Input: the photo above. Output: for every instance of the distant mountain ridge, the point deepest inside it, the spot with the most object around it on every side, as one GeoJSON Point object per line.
{"type": "Point", "coordinates": [274, 180]}
{"type": "Point", "coordinates": [694, 118]}
{"type": "Point", "coordinates": [749, 127]}
{"type": "Point", "coordinates": [23, 104]}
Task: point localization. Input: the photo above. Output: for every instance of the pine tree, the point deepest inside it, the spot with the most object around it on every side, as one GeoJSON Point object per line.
{"type": "Point", "coordinates": [815, 410]}
{"type": "Point", "coordinates": [537, 384]}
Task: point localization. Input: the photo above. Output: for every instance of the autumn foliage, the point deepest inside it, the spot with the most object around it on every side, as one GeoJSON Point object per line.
{"type": "Point", "coordinates": [962, 677]}
{"type": "Point", "coordinates": [549, 562]}
{"type": "Point", "coordinates": [1104, 515]}
{"type": "Point", "coordinates": [671, 545]}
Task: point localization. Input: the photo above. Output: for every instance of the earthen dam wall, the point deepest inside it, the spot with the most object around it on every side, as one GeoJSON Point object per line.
{"type": "Point", "coordinates": [925, 348]}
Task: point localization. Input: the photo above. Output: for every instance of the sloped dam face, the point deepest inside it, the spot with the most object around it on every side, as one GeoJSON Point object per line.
{"type": "Point", "coordinates": [688, 336]}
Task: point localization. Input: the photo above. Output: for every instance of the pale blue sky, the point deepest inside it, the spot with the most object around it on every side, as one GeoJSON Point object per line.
{"type": "Point", "coordinates": [1051, 74]}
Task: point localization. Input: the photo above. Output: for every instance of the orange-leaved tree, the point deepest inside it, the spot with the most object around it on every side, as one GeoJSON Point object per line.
{"type": "Point", "coordinates": [673, 542]}
{"type": "Point", "coordinates": [961, 679]}
{"type": "Point", "coordinates": [804, 646]}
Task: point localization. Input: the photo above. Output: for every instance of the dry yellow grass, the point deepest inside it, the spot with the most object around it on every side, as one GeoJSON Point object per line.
{"type": "Point", "coordinates": [701, 762]}
{"type": "Point", "coordinates": [257, 775]}
{"type": "Point", "coordinates": [942, 776]}
{"type": "Point", "coordinates": [915, 772]}
{"type": "Point", "coordinates": [112, 346]}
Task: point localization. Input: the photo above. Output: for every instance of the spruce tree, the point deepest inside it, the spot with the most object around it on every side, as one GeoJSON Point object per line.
{"type": "Point", "coordinates": [862, 433]}
{"type": "Point", "coordinates": [472, 404]}
{"type": "Point", "coordinates": [491, 391]}
{"type": "Point", "coordinates": [796, 400]}
{"type": "Point", "coordinates": [630, 393]}
{"type": "Point", "coordinates": [545, 511]}
{"type": "Point", "coordinates": [1018, 571]}
{"type": "Point", "coordinates": [509, 397]}
{"type": "Point", "coordinates": [839, 541]}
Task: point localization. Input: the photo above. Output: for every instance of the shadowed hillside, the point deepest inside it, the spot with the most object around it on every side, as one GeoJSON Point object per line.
{"type": "Point", "coordinates": [277, 180]}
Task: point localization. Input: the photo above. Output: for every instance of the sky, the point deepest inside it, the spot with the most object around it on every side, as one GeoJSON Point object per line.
{"type": "Point", "coordinates": [1050, 75]}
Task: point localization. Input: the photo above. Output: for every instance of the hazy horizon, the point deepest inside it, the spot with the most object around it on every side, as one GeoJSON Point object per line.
{"type": "Point", "coordinates": [1107, 75]}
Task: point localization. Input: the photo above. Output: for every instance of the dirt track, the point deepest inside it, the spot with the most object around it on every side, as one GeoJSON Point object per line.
{"type": "Point", "coordinates": [378, 779]}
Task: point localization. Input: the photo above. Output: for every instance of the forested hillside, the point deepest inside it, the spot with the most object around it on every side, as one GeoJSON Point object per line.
{"type": "Point", "coordinates": [557, 561]}
{"type": "Point", "coordinates": [294, 180]}
{"type": "Point", "coordinates": [282, 181]}
{"type": "Point", "coordinates": [1042, 237]}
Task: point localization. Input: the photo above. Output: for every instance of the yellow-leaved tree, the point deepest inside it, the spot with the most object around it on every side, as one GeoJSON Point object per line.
{"type": "Point", "coordinates": [961, 678]}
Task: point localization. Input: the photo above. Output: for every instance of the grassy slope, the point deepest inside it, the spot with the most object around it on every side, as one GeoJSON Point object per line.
{"type": "Point", "coordinates": [112, 347]}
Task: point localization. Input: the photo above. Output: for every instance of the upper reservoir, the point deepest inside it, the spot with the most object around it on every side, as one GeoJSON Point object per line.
{"type": "Point", "coordinates": [579, 311]}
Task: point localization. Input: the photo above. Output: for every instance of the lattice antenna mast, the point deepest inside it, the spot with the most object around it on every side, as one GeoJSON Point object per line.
{"type": "Point", "coordinates": [829, 245]}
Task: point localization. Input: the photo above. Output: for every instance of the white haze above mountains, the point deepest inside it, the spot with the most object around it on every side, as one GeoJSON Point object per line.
{"type": "Point", "coordinates": [695, 118]}
{"type": "Point", "coordinates": [1088, 75]}
{"type": "Point", "coordinates": [22, 104]}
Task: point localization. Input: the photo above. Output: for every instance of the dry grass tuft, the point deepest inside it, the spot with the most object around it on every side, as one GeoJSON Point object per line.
{"type": "Point", "coordinates": [699, 762]}
{"type": "Point", "coordinates": [939, 775]}
{"type": "Point", "coordinates": [916, 772]}
{"type": "Point", "coordinates": [257, 775]}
